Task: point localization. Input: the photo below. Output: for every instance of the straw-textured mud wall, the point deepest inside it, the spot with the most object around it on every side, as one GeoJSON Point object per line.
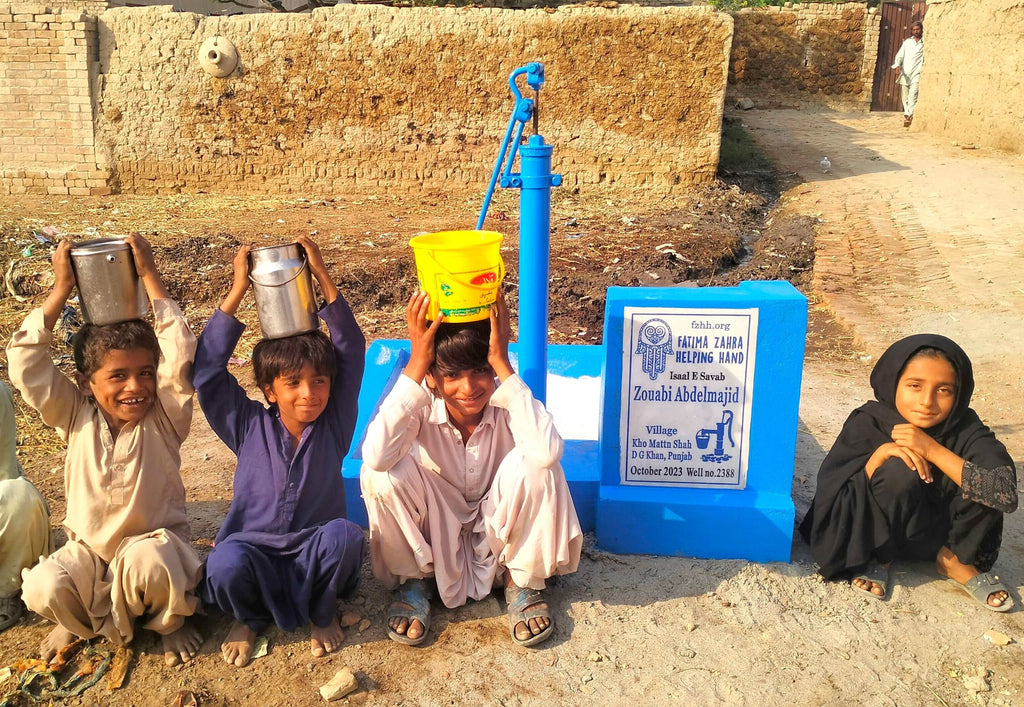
{"type": "Point", "coordinates": [814, 53]}
{"type": "Point", "coordinates": [971, 84]}
{"type": "Point", "coordinates": [408, 97]}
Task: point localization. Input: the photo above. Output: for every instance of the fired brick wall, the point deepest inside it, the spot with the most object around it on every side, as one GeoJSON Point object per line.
{"type": "Point", "coordinates": [971, 85]}
{"type": "Point", "coordinates": [375, 96]}
{"type": "Point", "coordinates": [816, 53]}
{"type": "Point", "coordinates": [47, 141]}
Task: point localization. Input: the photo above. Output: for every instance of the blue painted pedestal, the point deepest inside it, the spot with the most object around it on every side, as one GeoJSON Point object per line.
{"type": "Point", "coordinates": [755, 522]}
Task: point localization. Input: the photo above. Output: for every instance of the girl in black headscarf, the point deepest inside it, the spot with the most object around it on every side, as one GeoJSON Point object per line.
{"type": "Point", "coordinates": [915, 475]}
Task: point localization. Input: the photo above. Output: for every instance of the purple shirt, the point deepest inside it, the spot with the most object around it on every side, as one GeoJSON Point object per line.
{"type": "Point", "coordinates": [277, 493]}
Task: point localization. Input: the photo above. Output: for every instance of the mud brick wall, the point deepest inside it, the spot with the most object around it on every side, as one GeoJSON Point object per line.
{"type": "Point", "coordinates": [409, 98]}
{"type": "Point", "coordinates": [47, 141]}
{"type": "Point", "coordinates": [972, 89]}
{"type": "Point", "coordinates": [814, 53]}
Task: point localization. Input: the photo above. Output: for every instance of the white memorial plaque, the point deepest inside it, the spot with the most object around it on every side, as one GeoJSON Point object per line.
{"type": "Point", "coordinates": [688, 378]}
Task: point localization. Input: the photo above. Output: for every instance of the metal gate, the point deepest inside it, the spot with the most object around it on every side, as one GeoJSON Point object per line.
{"type": "Point", "coordinates": [896, 20]}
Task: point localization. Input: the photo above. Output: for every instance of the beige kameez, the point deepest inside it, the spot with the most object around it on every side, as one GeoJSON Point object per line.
{"type": "Point", "coordinates": [128, 552]}
{"type": "Point", "coordinates": [24, 518]}
{"type": "Point", "coordinates": [465, 512]}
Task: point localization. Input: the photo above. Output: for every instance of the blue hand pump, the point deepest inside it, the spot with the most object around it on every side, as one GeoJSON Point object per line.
{"type": "Point", "coordinates": [534, 181]}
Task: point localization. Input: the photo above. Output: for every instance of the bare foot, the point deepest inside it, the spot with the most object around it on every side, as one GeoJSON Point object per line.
{"type": "Point", "coordinates": [56, 639]}
{"type": "Point", "coordinates": [868, 586]}
{"type": "Point", "coordinates": [325, 640]}
{"type": "Point", "coordinates": [949, 565]}
{"type": "Point", "coordinates": [402, 626]}
{"type": "Point", "coordinates": [238, 645]}
{"type": "Point", "coordinates": [182, 645]}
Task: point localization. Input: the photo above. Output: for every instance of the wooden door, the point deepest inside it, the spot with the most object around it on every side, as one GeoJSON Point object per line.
{"type": "Point", "coordinates": [896, 20]}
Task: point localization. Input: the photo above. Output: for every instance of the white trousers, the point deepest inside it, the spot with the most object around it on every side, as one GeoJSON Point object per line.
{"type": "Point", "coordinates": [421, 526]}
{"type": "Point", "coordinates": [152, 575]}
{"type": "Point", "coordinates": [909, 95]}
{"type": "Point", "coordinates": [24, 531]}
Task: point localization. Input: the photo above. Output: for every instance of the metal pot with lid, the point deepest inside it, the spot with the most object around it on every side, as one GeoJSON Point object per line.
{"type": "Point", "coordinates": [283, 287]}
{"type": "Point", "coordinates": [109, 287]}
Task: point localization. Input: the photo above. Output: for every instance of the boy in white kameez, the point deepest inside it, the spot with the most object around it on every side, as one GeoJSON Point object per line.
{"type": "Point", "coordinates": [128, 552]}
{"type": "Point", "coordinates": [462, 481]}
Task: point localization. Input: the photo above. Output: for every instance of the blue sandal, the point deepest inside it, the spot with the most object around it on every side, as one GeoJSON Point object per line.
{"type": "Point", "coordinates": [522, 606]}
{"type": "Point", "coordinates": [414, 594]}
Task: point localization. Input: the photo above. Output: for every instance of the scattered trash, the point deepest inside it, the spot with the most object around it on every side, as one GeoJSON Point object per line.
{"type": "Point", "coordinates": [76, 667]}
{"type": "Point", "coordinates": [261, 647]}
{"type": "Point", "coordinates": [340, 685]}
{"type": "Point", "coordinates": [628, 220]}
{"type": "Point", "coordinates": [4, 674]}
{"type": "Point", "coordinates": [119, 667]}
{"type": "Point", "coordinates": [236, 361]}
{"type": "Point", "coordinates": [997, 638]}
{"type": "Point", "coordinates": [363, 625]}
{"type": "Point", "coordinates": [825, 165]}
{"type": "Point", "coordinates": [53, 231]}
{"type": "Point", "coordinates": [570, 236]}
{"type": "Point", "coordinates": [186, 699]}
{"type": "Point", "coordinates": [571, 222]}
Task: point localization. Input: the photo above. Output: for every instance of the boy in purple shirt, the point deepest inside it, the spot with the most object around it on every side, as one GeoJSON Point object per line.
{"type": "Point", "coordinates": [285, 552]}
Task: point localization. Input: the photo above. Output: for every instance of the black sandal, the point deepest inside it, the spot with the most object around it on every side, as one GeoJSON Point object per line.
{"type": "Point", "coordinates": [11, 610]}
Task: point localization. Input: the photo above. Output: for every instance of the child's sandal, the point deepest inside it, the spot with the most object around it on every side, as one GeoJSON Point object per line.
{"type": "Point", "coordinates": [414, 595]}
{"type": "Point", "coordinates": [522, 606]}
{"type": "Point", "coordinates": [984, 585]}
{"type": "Point", "coordinates": [11, 610]}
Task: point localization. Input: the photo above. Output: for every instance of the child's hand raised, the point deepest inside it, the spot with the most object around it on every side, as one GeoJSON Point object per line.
{"type": "Point", "coordinates": [313, 254]}
{"type": "Point", "coordinates": [318, 267]}
{"type": "Point", "coordinates": [240, 283]}
{"type": "Point", "coordinates": [63, 273]}
{"type": "Point", "coordinates": [421, 336]}
{"type": "Point", "coordinates": [142, 251]}
{"type": "Point", "coordinates": [241, 266]}
{"type": "Point", "coordinates": [501, 332]}
{"type": "Point", "coordinates": [911, 458]}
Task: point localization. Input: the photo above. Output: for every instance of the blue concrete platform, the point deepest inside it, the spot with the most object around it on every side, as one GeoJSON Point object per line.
{"type": "Point", "coordinates": [649, 503]}
{"type": "Point", "coordinates": [385, 360]}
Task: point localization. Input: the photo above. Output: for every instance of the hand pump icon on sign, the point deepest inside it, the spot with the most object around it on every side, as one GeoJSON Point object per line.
{"type": "Point", "coordinates": [722, 429]}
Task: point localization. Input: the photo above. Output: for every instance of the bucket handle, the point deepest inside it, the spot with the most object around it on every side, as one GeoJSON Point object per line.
{"type": "Point", "coordinates": [305, 265]}
{"type": "Point", "coordinates": [470, 285]}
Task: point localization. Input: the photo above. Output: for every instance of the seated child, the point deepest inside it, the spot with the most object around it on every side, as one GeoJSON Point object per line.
{"type": "Point", "coordinates": [128, 552]}
{"type": "Point", "coordinates": [462, 481]}
{"type": "Point", "coordinates": [915, 475]}
{"type": "Point", "coordinates": [24, 518]}
{"type": "Point", "coordinates": [285, 552]}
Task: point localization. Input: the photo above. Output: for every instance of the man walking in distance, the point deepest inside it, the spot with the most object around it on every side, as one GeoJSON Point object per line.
{"type": "Point", "coordinates": [909, 60]}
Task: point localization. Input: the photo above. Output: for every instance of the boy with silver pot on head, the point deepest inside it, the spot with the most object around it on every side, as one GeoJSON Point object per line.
{"type": "Point", "coordinates": [128, 553]}
{"type": "Point", "coordinates": [285, 552]}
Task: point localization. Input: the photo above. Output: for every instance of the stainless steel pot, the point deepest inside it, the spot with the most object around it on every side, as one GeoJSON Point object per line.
{"type": "Point", "coordinates": [109, 288]}
{"type": "Point", "coordinates": [283, 287]}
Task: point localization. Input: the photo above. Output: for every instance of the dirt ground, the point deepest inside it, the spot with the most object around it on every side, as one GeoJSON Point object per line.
{"type": "Point", "coordinates": [899, 216]}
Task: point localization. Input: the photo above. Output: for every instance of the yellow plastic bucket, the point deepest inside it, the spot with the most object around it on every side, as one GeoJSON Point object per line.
{"type": "Point", "coordinates": [461, 271]}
